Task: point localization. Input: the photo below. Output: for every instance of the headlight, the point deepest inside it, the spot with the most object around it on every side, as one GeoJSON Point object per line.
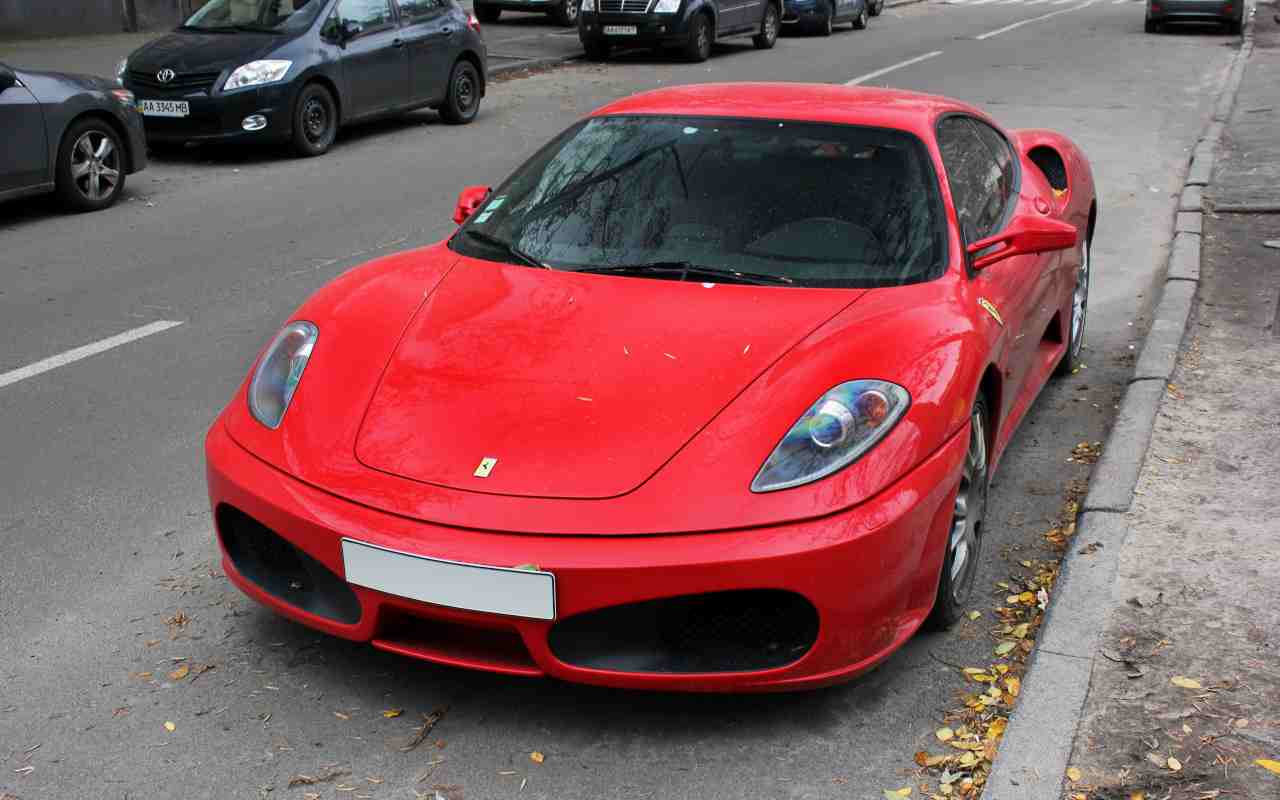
{"type": "Point", "coordinates": [125, 97]}
{"type": "Point", "coordinates": [257, 72]}
{"type": "Point", "coordinates": [587, 5]}
{"type": "Point", "coordinates": [667, 7]}
{"type": "Point", "coordinates": [836, 430]}
{"type": "Point", "coordinates": [277, 376]}
{"type": "Point", "coordinates": [121, 68]}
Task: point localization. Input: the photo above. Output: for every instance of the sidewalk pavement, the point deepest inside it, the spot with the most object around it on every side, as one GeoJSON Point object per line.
{"type": "Point", "coordinates": [1183, 699]}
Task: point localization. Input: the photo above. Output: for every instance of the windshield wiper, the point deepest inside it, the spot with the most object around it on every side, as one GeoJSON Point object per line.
{"type": "Point", "coordinates": [202, 29]}
{"type": "Point", "coordinates": [687, 269]}
{"type": "Point", "coordinates": [506, 247]}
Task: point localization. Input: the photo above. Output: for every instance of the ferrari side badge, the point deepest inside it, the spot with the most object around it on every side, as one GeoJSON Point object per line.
{"type": "Point", "coordinates": [486, 466]}
{"type": "Point", "coordinates": [991, 309]}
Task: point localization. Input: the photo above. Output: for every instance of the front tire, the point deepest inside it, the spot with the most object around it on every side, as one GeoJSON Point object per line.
{"type": "Point", "coordinates": [968, 520]}
{"type": "Point", "coordinates": [698, 48]}
{"type": "Point", "coordinates": [90, 174]}
{"type": "Point", "coordinates": [487, 14]}
{"type": "Point", "coordinates": [1079, 316]}
{"type": "Point", "coordinates": [566, 13]}
{"type": "Point", "coordinates": [828, 21]}
{"type": "Point", "coordinates": [768, 35]}
{"type": "Point", "coordinates": [876, 8]}
{"type": "Point", "coordinates": [315, 121]}
{"type": "Point", "coordinates": [860, 21]}
{"type": "Point", "coordinates": [462, 102]}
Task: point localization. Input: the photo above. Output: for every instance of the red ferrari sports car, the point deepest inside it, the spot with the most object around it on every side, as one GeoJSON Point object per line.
{"type": "Point", "coordinates": [706, 396]}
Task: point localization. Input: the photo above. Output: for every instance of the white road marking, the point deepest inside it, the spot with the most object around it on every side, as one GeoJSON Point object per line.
{"type": "Point", "coordinates": [71, 356]}
{"type": "Point", "coordinates": [1008, 28]}
{"type": "Point", "coordinates": [887, 70]}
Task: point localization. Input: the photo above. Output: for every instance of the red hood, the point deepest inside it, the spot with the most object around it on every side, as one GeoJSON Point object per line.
{"type": "Point", "coordinates": [581, 386]}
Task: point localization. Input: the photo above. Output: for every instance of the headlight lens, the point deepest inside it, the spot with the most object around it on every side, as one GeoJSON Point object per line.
{"type": "Point", "coordinates": [258, 72]}
{"type": "Point", "coordinates": [125, 97]}
{"type": "Point", "coordinates": [587, 5]}
{"type": "Point", "coordinates": [667, 7]}
{"type": "Point", "coordinates": [836, 430]}
{"type": "Point", "coordinates": [121, 68]}
{"type": "Point", "coordinates": [279, 372]}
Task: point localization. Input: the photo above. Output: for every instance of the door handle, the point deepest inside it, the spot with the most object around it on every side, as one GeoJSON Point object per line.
{"type": "Point", "coordinates": [446, 31]}
{"type": "Point", "coordinates": [397, 43]}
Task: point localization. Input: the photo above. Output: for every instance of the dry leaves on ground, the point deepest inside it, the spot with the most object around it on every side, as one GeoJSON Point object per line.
{"type": "Point", "coordinates": [420, 733]}
{"type": "Point", "coordinates": [324, 776]}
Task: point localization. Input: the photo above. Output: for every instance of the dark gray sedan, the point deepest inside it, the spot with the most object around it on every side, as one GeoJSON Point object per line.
{"type": "Point", "coordinates": [75, 135]}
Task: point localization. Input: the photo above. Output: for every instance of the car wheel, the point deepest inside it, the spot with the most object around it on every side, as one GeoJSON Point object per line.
{"type": "Point", "coordinates": [768, 35]}
{"type": "Point", "coordinates": [964, 539]}
{"type": "Point", "coordinates": [1235, 27]}
{"type": "Point", "coordinates": [1079, 315]}
{"type": "Point", "coordinates": [876, 8]}
{"type": "Point", "coordinates": [1151, 26]}
{"type": "Point", "coordinates": [462, 103]}
{"type": "Point", "coordinates": [566, 13]}
{"type": "Point", "coordinates": [860, 21]}
{"type": "Point", "coordinates": [828, 21]}
{"type": "Point", "coordinates": [487, 13]}
{"type": "Point", "coordinates": [315, 121]}
{"type": "Point", "coordinates": [698, 47]}
{"type": "Point", "coordinates": [596, 49]}
{"type": "Point", "coordinates": [91, 172]}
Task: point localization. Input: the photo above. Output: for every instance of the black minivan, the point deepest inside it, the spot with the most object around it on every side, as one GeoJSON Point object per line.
{"type": "Point", "coordinates": [295, 70]}
{"type": "Point", "coordinates": [690, 25]}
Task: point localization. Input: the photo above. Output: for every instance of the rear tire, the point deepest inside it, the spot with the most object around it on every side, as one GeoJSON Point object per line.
{"type": "Point", "coordinates": [566, 13]}
{"type": "Point", "coordinates": [91, 167]}
{"type": "Point", "coordinates": [964, 537]}
{"type": "Point", "coordinates": [698, 48]}
{"type": "Point", "coordinates": [462, 102]}
{"type": "Point", "coordinates": [828, 21]}
{"type": "Point", "coordinates": [1151, 26]}
{"type": "Point", "coordinates": [875, 8]}
{"type": "Point", "coordinates": [768, 35]}
{"type": "Point", "coordinates": [860, 21]}
{"type": "Point", "coordinates": [315, 121]}
{"type": "Point", "coordinates": [487, 13]}
{"type": "Point", "coordinates": [1235, 27]}
{"type": "Point", "coordinates": [596, 49]}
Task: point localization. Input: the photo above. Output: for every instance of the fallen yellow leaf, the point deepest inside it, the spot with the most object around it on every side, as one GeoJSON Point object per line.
{"type": "Point", "coordinates": [1269, 765]}
{"type": "Point", "coordinates": [1138, 796]}
{"type": "Point", "coordinates": [1013, 685]}
{"type": "Point", "coordinates": [894, 794]}
{"type": "Point", "coordinates": [975, 614]}
{"type": "Point", "coordinates": [1004, 648]}
{"type": "Point", "coordinates": [170, 727]}
{"type": "Point", "coordinates": [944, 734]}
{"type": "Point", "coordinates": [392, 713]}
{"type": "Point", "coordinates": [1074, 774]}
{"type": "Point", "coordinates": [179, 673]}
{"type": "Point", "coordinates": [537, 757]}
{"type": "Point", "coordinates": [340, 715]}
{"type": "Point", "coordinates": [1185, 683]}
{"type": "Point", "coordinates": [1174, 764]}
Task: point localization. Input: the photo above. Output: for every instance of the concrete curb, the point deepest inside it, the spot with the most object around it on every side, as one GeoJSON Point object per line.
{"type": "Point", "coordinates": [1033, 757]}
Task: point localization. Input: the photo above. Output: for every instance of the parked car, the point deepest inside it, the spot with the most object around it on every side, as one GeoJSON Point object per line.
{"type": "Point", "coordinates": [821, 16]}
{"type": "Point", "coordinates": [691, 25]}
{"type": "Point", "coordinates": [76, 135]}
{"type": "Point", "coordinates": [1229, 13]}
{"type": "Point", "coordinates": [706, 396]}
{"type": "Point", "coordinates": [564, 12]}
{"type": "Point", "coordinates": [297, 70]}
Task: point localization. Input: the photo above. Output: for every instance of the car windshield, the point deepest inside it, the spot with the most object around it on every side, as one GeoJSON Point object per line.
{"type": "Point", "coordinates": [275, 16]}
{"type": "Point", "coordinates": [693, 198]}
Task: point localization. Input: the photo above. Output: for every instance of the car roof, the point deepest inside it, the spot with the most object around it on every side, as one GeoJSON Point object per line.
{"type": "Point", "coordinates": [812, 102]}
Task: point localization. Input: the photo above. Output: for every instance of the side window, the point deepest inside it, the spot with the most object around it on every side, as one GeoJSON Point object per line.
{"type": "Point", "coordinates": [413, 10]}
{"type": "Point", "coordinates": [367, 14]}
{"type": "Point", "coordinates": [1006, 181]}
{"type": "Point", "coordinates": [976, 177]}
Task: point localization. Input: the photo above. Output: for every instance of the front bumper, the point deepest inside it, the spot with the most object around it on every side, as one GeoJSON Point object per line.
{"type": "Point", "coordinates": [219, 117]}
{"type": "Point", "coordinates": [869, 573]}
{"type": "Point", "coordinates": [137, 134]}
{"type": "Point", "coordinates": [651, 29]}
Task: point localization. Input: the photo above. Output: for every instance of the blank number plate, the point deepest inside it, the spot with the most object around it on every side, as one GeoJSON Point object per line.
{"type": "Point", "coordinates": [164, 108]}
{"type": "Point", "coordinates": [619, 30]}
{"type": "Point", "coordinates": [475, 587]}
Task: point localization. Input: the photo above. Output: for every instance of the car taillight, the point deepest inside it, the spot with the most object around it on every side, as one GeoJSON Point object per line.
{"type": "Point", "coordinates": [472, 22]}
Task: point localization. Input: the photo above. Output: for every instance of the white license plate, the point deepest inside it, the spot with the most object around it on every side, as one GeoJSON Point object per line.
{"type": "Point", "coordinates": [475, 587]}
{"type": "Point", "coordinates": [164, 108]}
{"type": "Point", "coordinates": [619, 30]}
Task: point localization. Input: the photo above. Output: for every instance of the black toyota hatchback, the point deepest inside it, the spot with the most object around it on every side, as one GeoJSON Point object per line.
{"type": "Point", "coordinates": [296, 70]}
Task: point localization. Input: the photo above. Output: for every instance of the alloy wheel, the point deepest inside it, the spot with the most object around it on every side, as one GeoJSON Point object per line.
{"type": "Point", "coordinates": [95, 165]}
{"type": "Point", "coordinates": [1080, 304]}
{"type": "Point", "coordinates": [970, 511]}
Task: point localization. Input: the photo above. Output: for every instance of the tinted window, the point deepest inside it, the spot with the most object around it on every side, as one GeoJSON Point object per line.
{"type": "Point", "coordinates": [981, 172]}
{"type": "Point", "coordinates": [416, 9]}
{"type": "Point", "coordinates": [365, 13]}
{"type": "Point", "coordinates": [814, 204]}
{"type": "Point", "coordinates": [268, 15]}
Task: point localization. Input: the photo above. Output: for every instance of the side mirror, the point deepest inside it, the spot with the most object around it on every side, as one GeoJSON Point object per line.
{"type": "Point", "coordinates": [1024, 234]}
{"type": "Point", "coordinates": [8, 78]}
{"type": "Point", "coordinates": [349, 30]}
{"type": "Point", "coordinates": [469, 201]}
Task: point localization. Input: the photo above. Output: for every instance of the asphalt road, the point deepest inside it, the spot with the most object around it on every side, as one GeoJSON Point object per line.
{"type": "Point", "coordinates": [105, 533]}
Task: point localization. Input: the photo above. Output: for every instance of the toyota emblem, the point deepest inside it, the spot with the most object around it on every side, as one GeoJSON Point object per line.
{"type": "Point", "coordinates": [166, 75]}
